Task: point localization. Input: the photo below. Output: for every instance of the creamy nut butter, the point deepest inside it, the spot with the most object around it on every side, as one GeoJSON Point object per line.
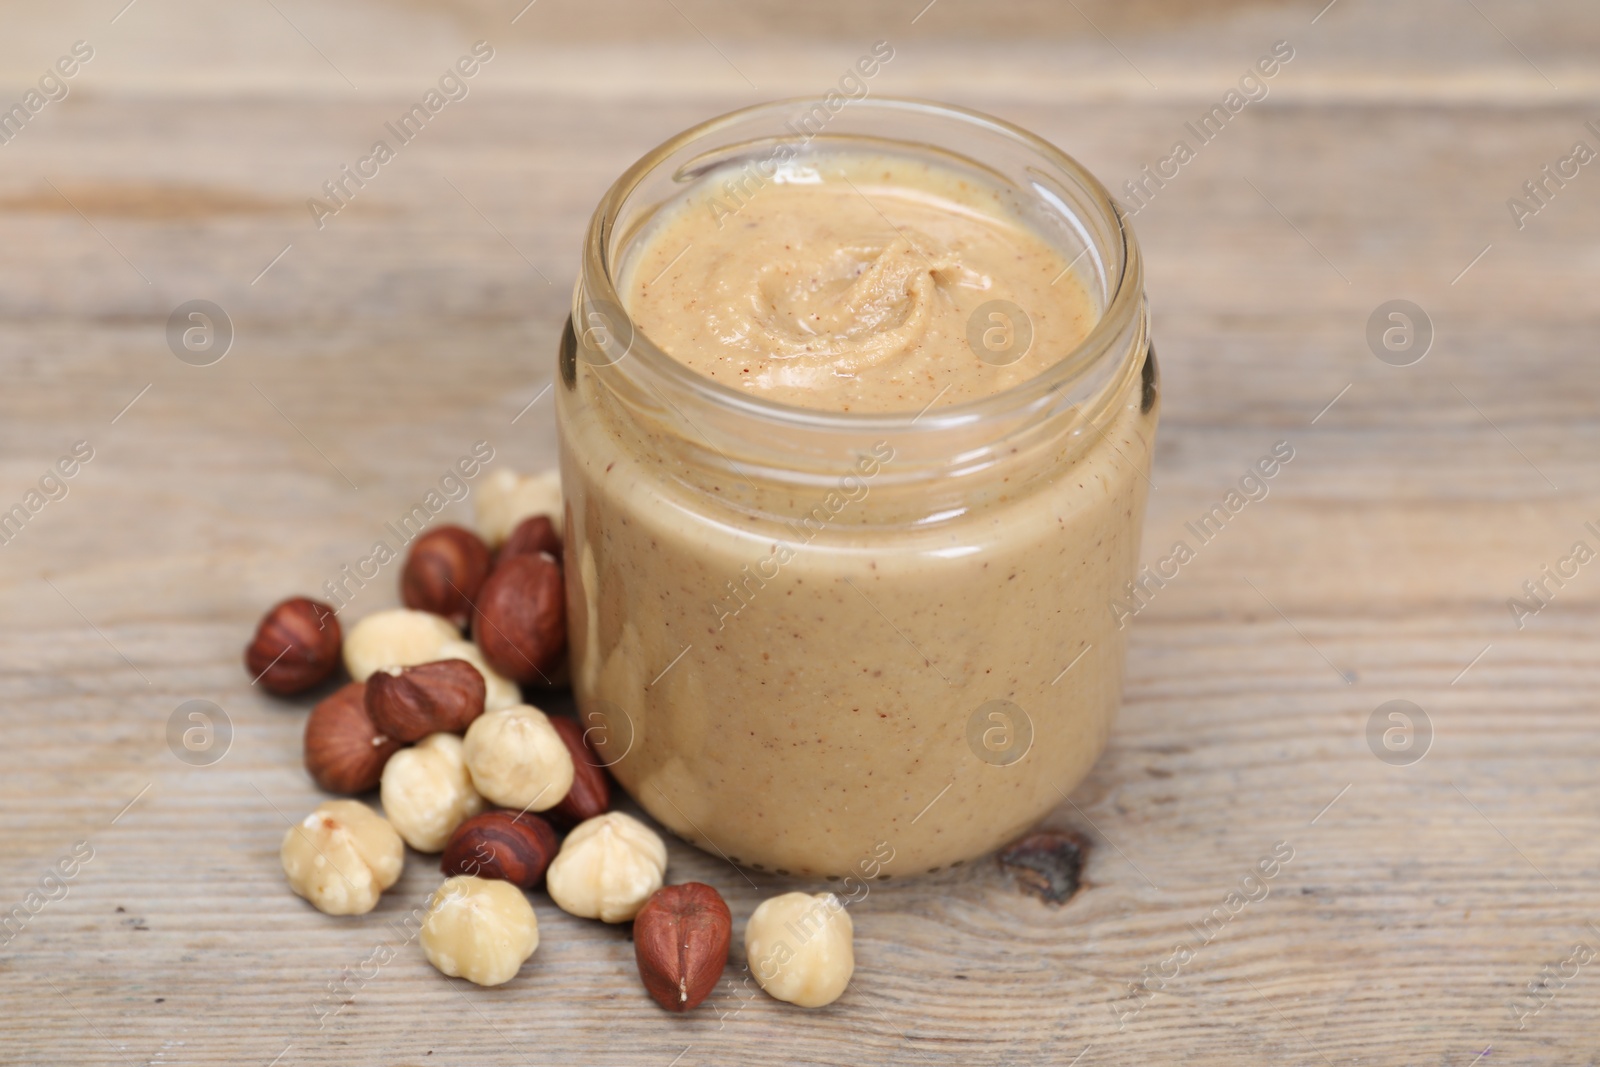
{"type": "Point", "coordinates": [849, 284]}
{"type": "Point", "coordinates": [856, 427]}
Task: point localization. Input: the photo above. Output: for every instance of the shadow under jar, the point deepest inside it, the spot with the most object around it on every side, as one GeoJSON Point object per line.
{"type": "Point", "coordinates": [828, 642]}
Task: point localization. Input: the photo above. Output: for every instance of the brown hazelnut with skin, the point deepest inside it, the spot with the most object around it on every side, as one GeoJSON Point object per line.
{"type": "Point", "coordinates": [680, 938]}
{"type": "Point", "coordinates": [532, 536]}
{"type": "Point", "coordinates": [504, 845]}
{"type": "Point", "coordinates": [444, 571]}
{"type": "Point", "coordinates": [345, 752]}
{"type": "Point", "coordinates": [590, 794]}
{"type": "Point", "coordinates": [295, 646]}
{"type": "Point", "coordinates": [520, 618]}
{"type": "Point", "coordinates": [409, 703]}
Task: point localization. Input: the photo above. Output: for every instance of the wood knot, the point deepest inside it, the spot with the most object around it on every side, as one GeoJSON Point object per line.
{"type": "Point", "coordinates": [1047, 864]}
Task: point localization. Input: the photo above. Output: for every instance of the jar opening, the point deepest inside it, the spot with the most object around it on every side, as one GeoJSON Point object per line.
{"type": "Point", "coordinates": [1050, 189]}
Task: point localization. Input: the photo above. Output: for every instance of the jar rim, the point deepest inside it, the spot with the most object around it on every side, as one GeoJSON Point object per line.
{"type": "Point", "coordinates": [1124, 301]}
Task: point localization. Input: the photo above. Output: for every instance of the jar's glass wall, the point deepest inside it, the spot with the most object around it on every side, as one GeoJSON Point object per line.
{"type": "Point", "coordinates": [814, 640]}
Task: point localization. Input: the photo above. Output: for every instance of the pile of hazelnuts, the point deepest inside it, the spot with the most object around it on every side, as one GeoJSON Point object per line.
{"type": "Point", "coordinates": [519, 799]}
{"type": "Point", "coordinates": [510, 798]}
{"type": "Point", "coordinates": [513, 600]}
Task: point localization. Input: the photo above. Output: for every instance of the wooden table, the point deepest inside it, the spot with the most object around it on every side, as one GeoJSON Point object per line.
{"type": "Point", "coordinates": [1422, 897]}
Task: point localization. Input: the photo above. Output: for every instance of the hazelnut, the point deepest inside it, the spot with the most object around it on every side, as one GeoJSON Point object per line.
{"type": "Point", "coordinates": [557, 677]}
{"type": "Point", "coordinates": [799, 947]}
{"type": "Point", "coordinates": [345, 752]}
{"type": "Point", "coordinates": [409, 703]}
{"type": "Point", "coordinates": [505, 498]}
{"type": "Point", "coordinates": [427, 792]}
{"type": "Point", "coordinates": [517, 759]}
{"type": "Point", "coordinates": [512, 847]}
{"type": "Point", "coordinates": [680, 938]}
{"type": "Point", "coordinates": [295, 646]}
{"type": "Point", "coordinates": [607, 868]}
{"type": "Point", "coordinates": [443, 572]}
{"type": "Point", "coordinates": [479, 929]}
{"type": "Point", "coordinates": [531, 537]}
{"type": "Point", "coordinates": [520, 619]}
{"type": "Point", "coordinates": [399, 637]}
{"type": "Point", "coordinates": [499, 691]}
{"type": "Point", "coordinates": [590, 794]}
{"type": "Point", "coordinates": [341, 857]}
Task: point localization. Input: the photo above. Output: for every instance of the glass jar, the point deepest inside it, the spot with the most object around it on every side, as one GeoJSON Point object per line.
{"type": "Point", "coordinates": [838, 643]}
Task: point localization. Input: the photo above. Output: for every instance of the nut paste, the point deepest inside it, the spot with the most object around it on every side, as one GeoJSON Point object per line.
{"type": "Point", "coordinates": [852, 287]}
{"type": "Point", "coordinates": [842, 680]}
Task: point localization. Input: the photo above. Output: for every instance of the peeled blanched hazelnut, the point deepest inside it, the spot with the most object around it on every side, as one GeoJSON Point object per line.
{"type": "Point", "coordinates": [409, 703]}
{"type": "Point", "coordinates": [590, 794]}
{"type": "Point", "coordinates": [399, 637]}
{"type": "Point", "coordinates": [443, 572]}
{"type": "Point", "coordinates": [800, 948]}
{"type": "Point", "coordinates": [296, 645]}
{"type": "Point", "coordinates": [427, 792]}
{"type": "Point", "coordinates": [499, 691]}
{"type": "Point", "coordinates": [345, 752]}
{"type": "Point", "coordinates": [515, 847]}
{"type": "Point", "coordinates": [479, 929]}
{"type": "Point", "coordinates": [531, 537]}
{"type": "Point", "coordinates": [341, 857]}
{"type": "Point", "coordinates": [520, 618]}
{"type": "Point", "coordinates": [505, 498]}
{"type": "Point", "coordinates": [517, 759]}
{"type": "Point", "coordinates": [607, 868]}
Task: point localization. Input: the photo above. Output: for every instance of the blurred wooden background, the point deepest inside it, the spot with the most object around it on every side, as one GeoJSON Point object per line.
{"type": "Point", "coordinates": [370, 354]}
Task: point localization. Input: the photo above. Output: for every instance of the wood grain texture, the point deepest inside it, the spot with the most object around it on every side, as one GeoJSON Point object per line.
{"type": "Point", "coordinates": [424, 318]}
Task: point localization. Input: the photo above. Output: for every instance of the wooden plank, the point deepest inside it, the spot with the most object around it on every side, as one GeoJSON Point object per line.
{"type": "Point", "coordinates": [1420, 899]}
